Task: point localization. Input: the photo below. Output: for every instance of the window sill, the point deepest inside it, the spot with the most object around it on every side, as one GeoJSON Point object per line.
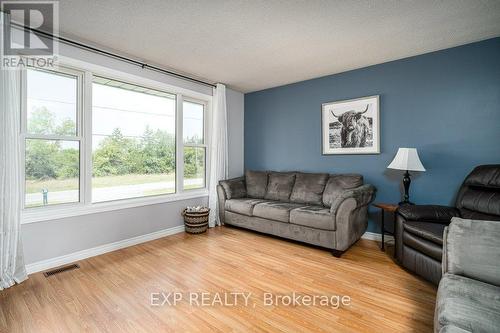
{"type": "Point", "coordinates": [53, 213]}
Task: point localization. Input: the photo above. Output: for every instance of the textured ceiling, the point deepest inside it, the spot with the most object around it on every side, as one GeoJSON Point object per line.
{"type": "Point", "coordinates": [253, 45]}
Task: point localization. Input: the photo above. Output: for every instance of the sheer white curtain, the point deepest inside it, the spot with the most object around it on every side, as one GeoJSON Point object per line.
{"type": "Point", "coordinates": [218, 151]}
{"type": "Point", "coordinates": [12, 269]}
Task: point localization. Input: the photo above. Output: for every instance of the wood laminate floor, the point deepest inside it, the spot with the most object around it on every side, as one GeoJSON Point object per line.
{"type": "Point", "coordinates": [112, 292]}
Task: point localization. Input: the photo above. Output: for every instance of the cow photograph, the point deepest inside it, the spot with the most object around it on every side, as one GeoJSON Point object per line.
{"type": "Point", "coordinates": [351, 126]}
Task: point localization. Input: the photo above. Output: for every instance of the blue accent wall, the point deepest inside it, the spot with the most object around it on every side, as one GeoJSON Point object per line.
{"type": "Point", "coordinates": [446, 104]}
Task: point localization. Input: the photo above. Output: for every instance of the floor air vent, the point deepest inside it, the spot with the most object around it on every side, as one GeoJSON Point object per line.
{"type": "Point", "coordinates": [61, 269]}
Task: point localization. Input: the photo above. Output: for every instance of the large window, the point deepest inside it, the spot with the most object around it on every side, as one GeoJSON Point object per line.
{"type": "Point", "coordinates": [194, 144]}
{"type": "Point", "coordinates": [52, 138]}
{"type": "Point", "coordinates": [133, 141]}
{"type": "Point", "coordinates": [90, 139]}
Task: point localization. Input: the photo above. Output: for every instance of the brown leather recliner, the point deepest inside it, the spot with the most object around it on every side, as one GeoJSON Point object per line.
{"type": "Point", "coordinates": [419, 229]}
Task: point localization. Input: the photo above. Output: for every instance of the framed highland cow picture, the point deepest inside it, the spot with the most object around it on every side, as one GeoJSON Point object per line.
{"type": "Point", "coordinates": [351, 126]}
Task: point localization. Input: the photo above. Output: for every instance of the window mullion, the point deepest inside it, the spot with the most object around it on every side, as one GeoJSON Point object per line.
{"type": "Point", "coordinates": [87, 138]}
{"type": "Point", "coordinates": [207, 139]}
{"type": "Point", "coordinates": [179, 149]}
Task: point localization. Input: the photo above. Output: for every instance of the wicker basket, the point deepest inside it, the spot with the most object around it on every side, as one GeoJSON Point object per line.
{"type": "Point", "coordinates": [196, 222]}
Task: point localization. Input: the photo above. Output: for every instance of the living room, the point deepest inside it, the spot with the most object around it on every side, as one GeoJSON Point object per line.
{"type": "Point", "coordinates": [186, 166]}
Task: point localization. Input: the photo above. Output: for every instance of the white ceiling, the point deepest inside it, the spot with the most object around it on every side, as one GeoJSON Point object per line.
{"type": "Point", "coordinates": [253, 45]}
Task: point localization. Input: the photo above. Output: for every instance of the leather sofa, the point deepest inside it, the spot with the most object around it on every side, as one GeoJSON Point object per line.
{"type": "Point", "coordinates": [419, 228]}
{"type": "Point", "coordinates": [468, 297]}
{"type": "Point", "coordinates": [326, 210]}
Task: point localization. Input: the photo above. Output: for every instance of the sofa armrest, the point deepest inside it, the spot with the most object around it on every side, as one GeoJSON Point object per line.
{"type": "Point", "coordinates": [234, 188]}
{"type": "Point", "coordinates": [221, 203]}
{"type": "Point", "coordinates": [227, 189]}
{"type": "Point", "coordinates": [350, 212]}
{"type": "Point", "coordinates": [472, 249]}
{"type": "Point", "coordinates": [428, 213]}
{"type": "Point", "coordinates": [363, 195]}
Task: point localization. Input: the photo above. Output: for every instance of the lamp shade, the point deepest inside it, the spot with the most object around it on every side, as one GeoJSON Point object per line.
{"type": "Point", "coordinates": [407, 159]}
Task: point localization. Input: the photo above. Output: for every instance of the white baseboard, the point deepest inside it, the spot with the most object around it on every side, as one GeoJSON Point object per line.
{"type": "Point", "coordinates": [98, 250]}
{"type": "Point", "coordinates": [377, 237]}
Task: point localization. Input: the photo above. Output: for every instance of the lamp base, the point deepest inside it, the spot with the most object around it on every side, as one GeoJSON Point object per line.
{"type": "Point", "coordinates": [406, 184]}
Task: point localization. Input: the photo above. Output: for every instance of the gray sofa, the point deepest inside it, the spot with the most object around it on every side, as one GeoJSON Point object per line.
{"type": "Point", "coordinates": [468, 298]}
{"type": "Point", "coordinates": [330, 211]}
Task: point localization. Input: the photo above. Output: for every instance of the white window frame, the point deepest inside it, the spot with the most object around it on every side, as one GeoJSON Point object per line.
{"type": "Point", "coordinates": [205, 139]}
{"type": "Point", "coordinates": [78, 137]}
{"type": "Point", "coordinates": [84, 130]}
{"type": "Point", "coordinates": [89, 174]}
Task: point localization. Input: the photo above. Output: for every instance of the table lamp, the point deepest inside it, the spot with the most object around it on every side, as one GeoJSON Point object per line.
{"type": "Point", "coordinates": [406, 159]}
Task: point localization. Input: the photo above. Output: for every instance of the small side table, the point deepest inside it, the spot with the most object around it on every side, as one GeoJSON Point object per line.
{"type": "Point", "coordinates": [384, 207]}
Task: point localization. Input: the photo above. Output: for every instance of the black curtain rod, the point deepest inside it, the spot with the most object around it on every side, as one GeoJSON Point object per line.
{"type": "Point", "coordinates": [113, 55]}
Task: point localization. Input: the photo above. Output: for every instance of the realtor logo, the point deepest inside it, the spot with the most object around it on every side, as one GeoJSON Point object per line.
{"type": "Point", "coordinates": [22, 41]}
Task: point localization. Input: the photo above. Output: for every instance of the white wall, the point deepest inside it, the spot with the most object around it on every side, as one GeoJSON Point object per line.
{"type": "Point", "coordinates": [50, 239]}
{"type": "Point", "coordinates": [235, 119]}
{"type": "Point", "coordinates": [55, 238]}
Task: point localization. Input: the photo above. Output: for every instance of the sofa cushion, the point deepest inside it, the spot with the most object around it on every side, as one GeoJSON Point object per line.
{"type": "Point", "coordinates": [486, 201]}
{"type": "Point", "coordinates": [279, 186]}
{"type": "Point", "coordinates": [317, 217]}
{"type": "Point", "coordinates": [431, 231]}
{"type": "Point", "coordinates": [468, 304]}
{"type": "Point", "coordinates": [273, 210]}
{"type": "Point", "coordinates": [256, 182]}
{"type": "Point", "coordinates": [484, 176]}
{"type": "Point", "coordinates": [234, 188]}
{"type": "Point", "coordinates": [472, 215]}
{"type": "Point", "coordinates": [308, 188]}
{"type": "Point", "coordinates": [338, 183]}
{"type": "Point", "coordinates": [473, 250]}
{"type": "Point", "coordinates": [243, 206]}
